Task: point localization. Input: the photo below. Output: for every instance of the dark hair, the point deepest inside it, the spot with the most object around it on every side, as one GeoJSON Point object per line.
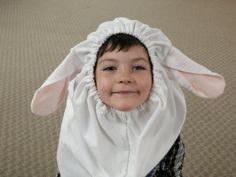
{"type": "Point", "coordinates": [120, 41]}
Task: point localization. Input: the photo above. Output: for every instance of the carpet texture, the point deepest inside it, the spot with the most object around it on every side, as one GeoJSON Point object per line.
{"type": "Point", "coordinates": [35, 36]}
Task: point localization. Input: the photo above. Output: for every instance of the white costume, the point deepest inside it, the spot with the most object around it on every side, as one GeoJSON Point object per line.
{"type": "Point", "coordinates": [99, 141]}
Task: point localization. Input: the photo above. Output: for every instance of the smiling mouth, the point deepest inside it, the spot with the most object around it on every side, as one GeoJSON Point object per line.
{"type": "Point", "coordinates": [125, 93]}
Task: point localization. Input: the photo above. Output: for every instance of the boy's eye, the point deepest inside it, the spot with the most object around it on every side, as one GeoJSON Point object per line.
{"type": "Point", "coordinates": [109, 68]}
{"type": "Point", "coordinates": [138, 68]}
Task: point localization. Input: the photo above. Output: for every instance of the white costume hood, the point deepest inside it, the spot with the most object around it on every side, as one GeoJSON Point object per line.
{"type": "Point", "coordinates": [99, 141]}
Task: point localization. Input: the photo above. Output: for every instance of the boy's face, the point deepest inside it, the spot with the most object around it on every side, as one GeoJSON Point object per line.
{"type": "Point", "coordinates": [124, 78]}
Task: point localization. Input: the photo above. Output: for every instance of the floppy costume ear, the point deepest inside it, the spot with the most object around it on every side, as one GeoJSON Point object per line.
{"type": "Point", "coordinates": [192, 76]}
{"type": "Point", "coordinates": [53, 91]}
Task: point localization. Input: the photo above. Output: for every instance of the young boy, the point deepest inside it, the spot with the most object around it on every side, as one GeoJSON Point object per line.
{"type": "Point", "coordinates": [123, 76]}
{"type": "Point", "coordinates": [125, 109]}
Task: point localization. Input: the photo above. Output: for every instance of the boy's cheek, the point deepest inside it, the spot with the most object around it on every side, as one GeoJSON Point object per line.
{"type": "Point", "coordinates": [103, 85]}
{"type": "Point", "coordinates": [145, 80]}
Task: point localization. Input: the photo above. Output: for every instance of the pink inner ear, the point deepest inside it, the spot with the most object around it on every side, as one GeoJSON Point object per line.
{"type": "Point", "coordinates": [52, 93]}
{"type": "Point", "coordinates": [209, 86]}
{"type": "Point", "coordinates": [47, 99]}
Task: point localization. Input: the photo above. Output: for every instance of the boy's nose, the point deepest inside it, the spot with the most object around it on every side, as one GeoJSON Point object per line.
{"type": "Point", "coordinates": [125, 78]}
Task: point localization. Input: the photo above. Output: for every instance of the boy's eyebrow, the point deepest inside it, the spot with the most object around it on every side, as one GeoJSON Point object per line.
{"type": "Point", "coordinates": [115, 60]}
{"type": "Point", "coordinates": [107, 59]}
{"type": "Point", "coordinates": [141, 59]}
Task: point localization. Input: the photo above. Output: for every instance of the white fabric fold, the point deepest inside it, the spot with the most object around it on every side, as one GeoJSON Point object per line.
{"type": "Point", "coordinates": [99, 141]}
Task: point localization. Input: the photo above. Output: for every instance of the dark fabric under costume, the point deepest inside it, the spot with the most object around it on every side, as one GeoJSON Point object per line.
{"type": "Point", "coordinates": [171, 164]}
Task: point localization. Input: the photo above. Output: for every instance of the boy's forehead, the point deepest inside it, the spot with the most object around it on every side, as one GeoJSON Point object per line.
{"type": "Point", "coordinates": [135, 53]}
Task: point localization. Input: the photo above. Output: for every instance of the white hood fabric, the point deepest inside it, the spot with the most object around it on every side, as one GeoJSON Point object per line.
{"type": "Point", "coordinates": [99, 141]}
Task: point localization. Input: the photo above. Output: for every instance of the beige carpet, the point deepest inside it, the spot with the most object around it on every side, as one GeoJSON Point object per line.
{"type": "Point", "coordinates": [36, 35]}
